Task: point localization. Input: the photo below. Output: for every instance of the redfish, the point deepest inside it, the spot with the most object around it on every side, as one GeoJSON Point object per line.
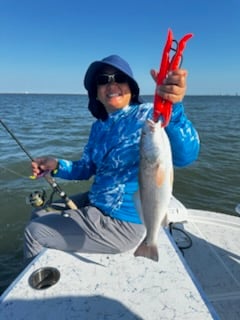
{"type": "Point", "coordinates": [155, 185]}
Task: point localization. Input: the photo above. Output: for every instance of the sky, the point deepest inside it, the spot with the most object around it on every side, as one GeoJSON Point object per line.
{"type": "Point", "coordinates": [46, 46]}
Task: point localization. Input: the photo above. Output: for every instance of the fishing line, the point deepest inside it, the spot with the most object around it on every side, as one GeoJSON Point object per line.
{"type": "Point", "coordinates": [47, 176]}
{"type": "Point", "coordinates": [12, 171]}
{"type": "Point", "coordinates": [16, 139]}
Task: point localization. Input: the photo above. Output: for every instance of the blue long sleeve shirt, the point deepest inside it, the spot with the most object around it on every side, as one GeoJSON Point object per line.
{"type": "Point", "coordinates": [111, 155]}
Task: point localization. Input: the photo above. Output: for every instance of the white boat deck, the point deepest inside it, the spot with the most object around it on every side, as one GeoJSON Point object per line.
{"type": "Point", "coordinates": [214, 258]}
{"type": "Point", "coordinates": [112, 287]}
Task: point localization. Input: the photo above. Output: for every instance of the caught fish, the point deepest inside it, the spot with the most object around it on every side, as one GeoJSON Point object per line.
{"type": "Point", "coordinates": [155, 185]}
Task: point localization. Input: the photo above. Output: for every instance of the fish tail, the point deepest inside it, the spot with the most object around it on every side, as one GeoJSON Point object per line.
{"type": "Point", "coordinates": [147, 251]}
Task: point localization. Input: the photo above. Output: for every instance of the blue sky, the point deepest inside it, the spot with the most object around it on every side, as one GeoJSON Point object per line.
{"type": "Point", "coordinates": [47, 45]}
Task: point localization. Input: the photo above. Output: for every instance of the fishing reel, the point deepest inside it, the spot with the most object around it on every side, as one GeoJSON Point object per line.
{"type": "Point", "coordinates": [36, 199]}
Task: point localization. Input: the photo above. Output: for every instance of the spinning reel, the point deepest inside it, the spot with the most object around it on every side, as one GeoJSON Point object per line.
{"type": "Point", "coordinates": [36, 198]}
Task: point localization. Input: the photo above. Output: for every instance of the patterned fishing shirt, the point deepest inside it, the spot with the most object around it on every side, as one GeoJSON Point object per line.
{"type": "Point", "coordinates": [111, 155]}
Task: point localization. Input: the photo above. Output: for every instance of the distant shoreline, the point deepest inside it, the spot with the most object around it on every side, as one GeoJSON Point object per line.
{"type": "Point", "coordinates": [143, 95]}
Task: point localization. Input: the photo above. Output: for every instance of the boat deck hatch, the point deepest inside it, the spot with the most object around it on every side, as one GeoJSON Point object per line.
{"type": "Point", "coordinates": [44, 278]}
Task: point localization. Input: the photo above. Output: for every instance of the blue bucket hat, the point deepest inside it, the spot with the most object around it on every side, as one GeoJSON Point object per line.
{"type": "Point", "coordinates": [96, 107]}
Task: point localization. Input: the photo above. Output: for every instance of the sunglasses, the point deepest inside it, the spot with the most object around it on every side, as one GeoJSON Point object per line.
{"type": "Point", "coordinates": [103, 79]}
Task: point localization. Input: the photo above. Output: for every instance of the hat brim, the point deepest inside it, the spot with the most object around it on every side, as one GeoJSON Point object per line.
{"type": "Point", "coordinates": [95, 67]}
{"type": "Point", "coordinates": [95, 106]}
{"type": "Point", "coordinates": [91, 73]}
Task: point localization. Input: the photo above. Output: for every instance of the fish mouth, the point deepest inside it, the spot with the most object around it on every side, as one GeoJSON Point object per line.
{"type": "Point", "coordinates": [150, 127]}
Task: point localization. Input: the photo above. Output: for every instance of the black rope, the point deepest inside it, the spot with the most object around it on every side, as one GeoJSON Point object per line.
{"type": "Point", "coordinates": [173, 227]}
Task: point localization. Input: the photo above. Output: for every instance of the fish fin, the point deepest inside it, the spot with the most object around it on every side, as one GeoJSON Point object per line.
{"type": "Point", "coordinates": [147, 251]}
{"type": "Point", "coordinates": [160, 176]}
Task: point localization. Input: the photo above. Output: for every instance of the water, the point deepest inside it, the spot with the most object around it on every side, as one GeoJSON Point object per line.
{"type": "Point", "coordinates": [59, 125]}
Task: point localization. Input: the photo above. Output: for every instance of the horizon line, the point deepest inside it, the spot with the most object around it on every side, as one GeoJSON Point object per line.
{"type": "Point", "coordinates": [145, 94]}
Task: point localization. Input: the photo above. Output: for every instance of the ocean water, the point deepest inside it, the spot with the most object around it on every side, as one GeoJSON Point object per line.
{"type": "Point", "coordinates": [59, 125]}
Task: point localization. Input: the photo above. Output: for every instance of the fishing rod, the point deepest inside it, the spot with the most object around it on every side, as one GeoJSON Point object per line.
{"type": "Point", "coordinates": [47, 176]}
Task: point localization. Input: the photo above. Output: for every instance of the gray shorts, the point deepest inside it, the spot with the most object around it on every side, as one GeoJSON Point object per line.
{"type": "Point", "coordinates": [85, 230]}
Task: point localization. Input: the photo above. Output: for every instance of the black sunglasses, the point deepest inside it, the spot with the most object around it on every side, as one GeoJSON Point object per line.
{"type": "Point", "coordinates": [104, 78]}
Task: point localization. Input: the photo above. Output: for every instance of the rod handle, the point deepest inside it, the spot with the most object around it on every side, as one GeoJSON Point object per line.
{"type": "Point", "coordinates": [71, 204]}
